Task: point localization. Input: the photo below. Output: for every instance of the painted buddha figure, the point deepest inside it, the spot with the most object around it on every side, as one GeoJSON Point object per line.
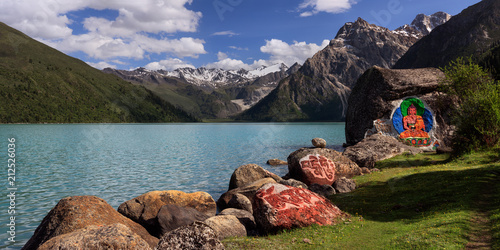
{"type": "Point", "coordinates": [414, 126]}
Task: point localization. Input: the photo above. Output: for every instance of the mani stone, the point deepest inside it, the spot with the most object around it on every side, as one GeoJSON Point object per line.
{"type": "Point", "coordinates": [319, 143]}
{"type": "Point", "coordinates": [280, 207]}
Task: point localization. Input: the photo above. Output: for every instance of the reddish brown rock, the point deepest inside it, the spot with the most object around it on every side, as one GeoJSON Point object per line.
{"type": "Point", "coordinates": [79, 212]}
{"type": "Point", "coordinates": [280, 207]}
{"type": "Point", "coordinates": [144, 209]}
{"type": "Point", "coordinates": [116, 236]}
{"type": "Point", "coordinates": [320, 165]}
{"type": "Point", "coordinates": [249, 173]}
{"type": "Point", "coordinates": [276, 162]}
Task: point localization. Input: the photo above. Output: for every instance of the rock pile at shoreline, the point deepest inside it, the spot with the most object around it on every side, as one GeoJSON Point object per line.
{"type": "Point", "coordinates": [257, 202]}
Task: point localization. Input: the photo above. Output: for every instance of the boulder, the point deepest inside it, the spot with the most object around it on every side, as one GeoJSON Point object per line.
{"type": "Point", "coordinates": [323, 190]}
{"type": "Point", "coordinates": [115, 236]}
{"type": "Point", "coordinates": [247, 174]}
{"type": "Point", "coordinates": [280, 207]}
{"type": "Point", "coordinates": [319, 143]}
{"type": "Point", "coordinates": [78, 212]}
{"type": "Point", "coordinates": [240, 201]}
{"type": "Point", "coordinates": [245, 217]}
{"type": "Point", "coordinates": [226, 226]}
{"type": "Point", "coordinates": [379, 91]}
{"type": "Point", "coordinates": [344, 185]}
{"type": "Point", "coordinates": [194, 236]}
{"type": "Point", "coordinates": [376, 148]}
{"type": "Point", "coordinates": [248, 191]}
{"type": "Point", "coordinates": [276, 162]}
{"type": "Point", "coordinates": [293, 183]}
{"type": "Point", "coordinates": [320, 165]}
{"type": "Point", "coordinates": [172, 216]}
{"type": "Point", "coordinates": [144, 208]}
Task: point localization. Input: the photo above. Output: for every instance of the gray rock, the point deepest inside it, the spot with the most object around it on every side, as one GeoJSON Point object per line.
{"type": "Point", "coordinates": [248, 191]}
{"type": "Point", "coordinates": [239, 201]}
{"type": "Point", "coordinates": [344, 185]}
{"type": "Point", "coordinates": [115, 236]}
{"type": "Point", "coordinates": [323, 190]}
{"type": "Point", "coordinates": [293, 183]}
{"type": "Point", "coordinates": [319, 143]}
{"type": "Point", "coordinates": [172, 216]}
{"type": "Point", "coordinates": [194, 236]}
{"type": "Point", "coordinates": [247, 174]}
{"type": "Point", "coordinates": [376, 148]}
{"type": "Point", "coordinates": [245, 217]}
{"type": "Point", "coordinates": [226, 226]}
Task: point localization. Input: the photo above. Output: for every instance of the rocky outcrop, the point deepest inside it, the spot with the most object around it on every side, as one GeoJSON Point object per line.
{"type": "Point", "coordinates": [194, 236]}
{"type": "Point", "coordinates": [144, 208]}
{"type": "Point", "coordinates": [471, 32]}
{"type": "Point", "coordinates": [115, 236]}
{"type": "Point", "coordinates": [79, 212]}
{"type": "Point", "coordinates": [247, 174]}
{"type": "Point", "coordinates": [280, 207]}
{"type": "Point", "coordinates": [248, 191]}
{"type": "Point", "coordinates": [378, 93]}
{"type": "Point", "coordinates": [320, 165]}
{"type": "Point", "coordinates": [376, 148]}
{"type": "Point", "coordinates": [172, 216]}
{"type": "Point", "coordinates": [226, 226]}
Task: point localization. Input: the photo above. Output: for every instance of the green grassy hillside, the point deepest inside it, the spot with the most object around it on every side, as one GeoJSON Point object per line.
{"type": "Point", "coordinates": [39, 84]}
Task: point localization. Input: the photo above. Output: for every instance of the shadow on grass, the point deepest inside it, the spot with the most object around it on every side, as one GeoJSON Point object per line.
{"type": "Point", "coordinates": [418, 195]}
{"type": "Point", "coordinates": [409, 161]}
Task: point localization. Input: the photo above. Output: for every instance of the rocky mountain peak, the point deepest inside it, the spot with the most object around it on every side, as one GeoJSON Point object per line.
{"type": "Point", "coordinates": [425, 24]}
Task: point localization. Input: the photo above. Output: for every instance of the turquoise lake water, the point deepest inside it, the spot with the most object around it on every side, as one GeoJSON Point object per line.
{"type": "Point", "coordinates": [118, 162]}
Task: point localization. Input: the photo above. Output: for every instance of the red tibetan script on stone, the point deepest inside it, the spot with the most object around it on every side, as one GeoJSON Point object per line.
{"type": "Point", "coordinates": [318, 169]}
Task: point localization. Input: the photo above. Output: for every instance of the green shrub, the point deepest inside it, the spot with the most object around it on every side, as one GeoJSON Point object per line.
{"type": "Point", "coordinates": [477, 118]}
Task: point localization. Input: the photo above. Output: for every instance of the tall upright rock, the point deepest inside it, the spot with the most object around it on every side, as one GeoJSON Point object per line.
{"type": "Point", "coordinates": [321, 87]}
{"type": "Point", "coordinates": [472, 32]}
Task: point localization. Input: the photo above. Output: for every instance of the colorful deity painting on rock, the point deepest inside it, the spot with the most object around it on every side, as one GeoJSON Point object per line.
{"type": "Point", "coordinates": [413, 122]}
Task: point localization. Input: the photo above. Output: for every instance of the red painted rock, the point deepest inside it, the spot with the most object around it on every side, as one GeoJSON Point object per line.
{"type": "Point", "coordinates": [320, 165]}
{"type": "Point", "coordinates": [280, 207]}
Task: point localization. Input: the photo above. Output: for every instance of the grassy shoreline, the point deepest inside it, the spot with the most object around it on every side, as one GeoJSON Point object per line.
{"type": "Point", "coordinates": [414, 202]}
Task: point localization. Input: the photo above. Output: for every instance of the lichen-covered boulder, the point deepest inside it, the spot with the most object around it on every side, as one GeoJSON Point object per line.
{"type": "Point", "coordinates": [226, 226]}
{"type": "Point", "coordinates": [320, 165]}
{"type": "Point", "coordinates": [248, 191]}
{"type": "Point", "coordinates": [249, 173]}
{"type": "Point", "coordinates": [194, 236]}
{"type": "Point", "coordinates": [78, 212]}
{"type": "Point", "coordinates": [115, 236]}
{"type": "Point", "coordinates": [280, 207]}
{"type": "Point", "coordinates": [144, 208]}
{"type": "Point", "coordinates": [172, 216]}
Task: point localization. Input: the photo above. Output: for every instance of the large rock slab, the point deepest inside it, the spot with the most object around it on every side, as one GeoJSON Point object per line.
{"type": "Point", "coordinates": [379, 91]}
{"type": "Point", "coordinates": [320, 165]}
{"type": "Point", "coordinates": [172, 216]}
{"type": "Point", "coordinates": [280, 207]}
{"type": "Point", "coordinates": [78, 212]}
{"type": "Point", "coordinates": [116, 236]}
{"type": "Point", "coordinates": [144, 208]}
{"type": "Point", "coordinates": [194, 236]}
{"type": "Point", "coordinates": [376, 148]}
{"type": "Point", "coordinates": [249, 191]}
{"type": "Point", "coordinates": [249, 173]}
{"type": "Point", "coordinates": [226, 226]}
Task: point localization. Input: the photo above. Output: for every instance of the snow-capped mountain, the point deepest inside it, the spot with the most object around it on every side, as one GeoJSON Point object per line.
{"type": "Point", "coordinates": [423, 24]}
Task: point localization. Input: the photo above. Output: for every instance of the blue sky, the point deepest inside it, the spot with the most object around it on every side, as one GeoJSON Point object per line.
{"type": "Point", "coordinates": [229, 34]}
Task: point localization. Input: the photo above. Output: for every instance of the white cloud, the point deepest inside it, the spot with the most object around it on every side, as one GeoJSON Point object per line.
{"type": "Point", "coordinates": [291, 53]}
{"type": "Point", "coordinates": [168, 64]}
{"type": "Point", "coordinates": [228, 64]}
{"type": "Point", "coordinates": [237, 48]}
{"type": "Point", "coordinates": [101, 65]}
{"type": "Point", "coordinates": [221, 56]}
{"type": "Point", "coordinates": [225, 33]}
{"type": "Point", "coordinates": [330, 6]}
{"type": "Point", "coordinates": [127, 36]}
